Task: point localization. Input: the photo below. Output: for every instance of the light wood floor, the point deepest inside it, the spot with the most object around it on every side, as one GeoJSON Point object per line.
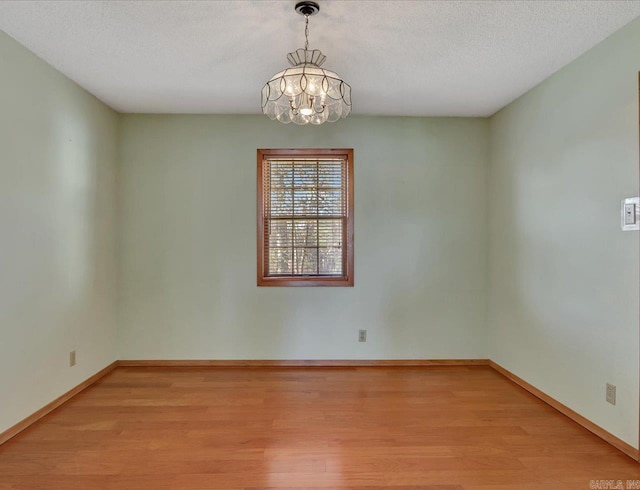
{"type": "Point", "coordinates": [321, 428]}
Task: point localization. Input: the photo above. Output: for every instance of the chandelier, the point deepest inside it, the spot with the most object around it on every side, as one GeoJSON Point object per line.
{"type": "Point", "coordinates": [306, 93]}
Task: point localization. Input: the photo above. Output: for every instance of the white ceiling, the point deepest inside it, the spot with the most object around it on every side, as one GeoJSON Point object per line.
{"type": "Point", "coordinates": [427, 58]}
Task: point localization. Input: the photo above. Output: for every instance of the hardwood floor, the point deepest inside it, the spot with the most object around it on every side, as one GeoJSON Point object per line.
{"type": "Point", "coordinates": [444, 428]}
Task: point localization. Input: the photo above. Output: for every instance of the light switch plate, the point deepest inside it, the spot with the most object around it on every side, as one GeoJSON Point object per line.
{"type": "Point", "coordinates": [630, 214]}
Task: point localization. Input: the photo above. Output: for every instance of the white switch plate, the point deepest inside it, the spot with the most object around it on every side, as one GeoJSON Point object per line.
{"type": "Point", "coordinates": [630, 214]}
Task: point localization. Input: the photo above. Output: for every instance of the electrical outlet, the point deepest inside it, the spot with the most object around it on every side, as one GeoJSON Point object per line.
{"type": "Point", "coordinates": [362, 336]}
{"type": "Point", "coordinates": [611, 394]}
{"type": "Point", "coordinates": [72, 358]}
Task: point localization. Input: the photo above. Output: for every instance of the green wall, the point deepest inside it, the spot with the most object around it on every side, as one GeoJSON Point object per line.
{"type": "Point", "coordinates": [564, 278]}
{"type": "Point", "coordinates": [188, 242]}
{"type": "Point", "coordinates": [58, 152]}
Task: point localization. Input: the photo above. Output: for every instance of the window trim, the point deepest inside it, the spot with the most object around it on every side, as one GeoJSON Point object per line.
{"type": "Point", "coordinates": [347, 278]}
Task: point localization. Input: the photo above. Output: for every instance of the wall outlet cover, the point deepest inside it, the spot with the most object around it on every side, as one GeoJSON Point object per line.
{"type": "Point", "coordinates": [611, 394]}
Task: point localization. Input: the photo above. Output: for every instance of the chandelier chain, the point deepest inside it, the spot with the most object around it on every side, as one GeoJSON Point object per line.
{"type": "Point", "coordinates": [306, 31]}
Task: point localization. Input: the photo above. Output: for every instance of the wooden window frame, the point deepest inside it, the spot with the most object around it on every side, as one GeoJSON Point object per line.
{"type": "Point", "coordinates": [346, 280]}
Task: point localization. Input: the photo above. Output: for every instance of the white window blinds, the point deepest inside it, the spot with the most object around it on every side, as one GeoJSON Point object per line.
{"type": "Point", "coordinates": [305, 215]}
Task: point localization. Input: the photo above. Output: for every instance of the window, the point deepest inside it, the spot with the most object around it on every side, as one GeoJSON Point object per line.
{"type": "Point", "coordinates": [305, 217]}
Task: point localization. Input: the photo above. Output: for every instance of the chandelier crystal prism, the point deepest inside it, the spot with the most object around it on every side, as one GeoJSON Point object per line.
{"type": "Point", "coordinates": [306, 93]}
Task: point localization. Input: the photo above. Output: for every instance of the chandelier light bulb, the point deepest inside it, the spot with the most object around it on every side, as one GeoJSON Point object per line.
{"type": "Point", "coordinates": [306, 93]}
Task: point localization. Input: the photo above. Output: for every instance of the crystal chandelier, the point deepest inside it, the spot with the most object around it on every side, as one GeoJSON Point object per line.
{"type": "Point", "coordinates": [306, 93]}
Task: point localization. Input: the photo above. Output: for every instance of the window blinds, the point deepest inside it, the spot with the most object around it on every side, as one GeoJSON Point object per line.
{"type": "Point", "coordinates": [305, 215]}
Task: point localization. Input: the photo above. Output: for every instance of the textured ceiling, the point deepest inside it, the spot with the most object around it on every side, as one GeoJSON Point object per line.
{"type": "Point", "coordinates": [457, 58]}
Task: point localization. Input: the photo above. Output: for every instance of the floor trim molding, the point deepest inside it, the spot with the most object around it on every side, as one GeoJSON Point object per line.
{"type": "Point", "coordinates": [51, 406]}
{"type": "Point", "coordinates": [573, 415]}
{"type": "Point", "coordinates": [303, 363]}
